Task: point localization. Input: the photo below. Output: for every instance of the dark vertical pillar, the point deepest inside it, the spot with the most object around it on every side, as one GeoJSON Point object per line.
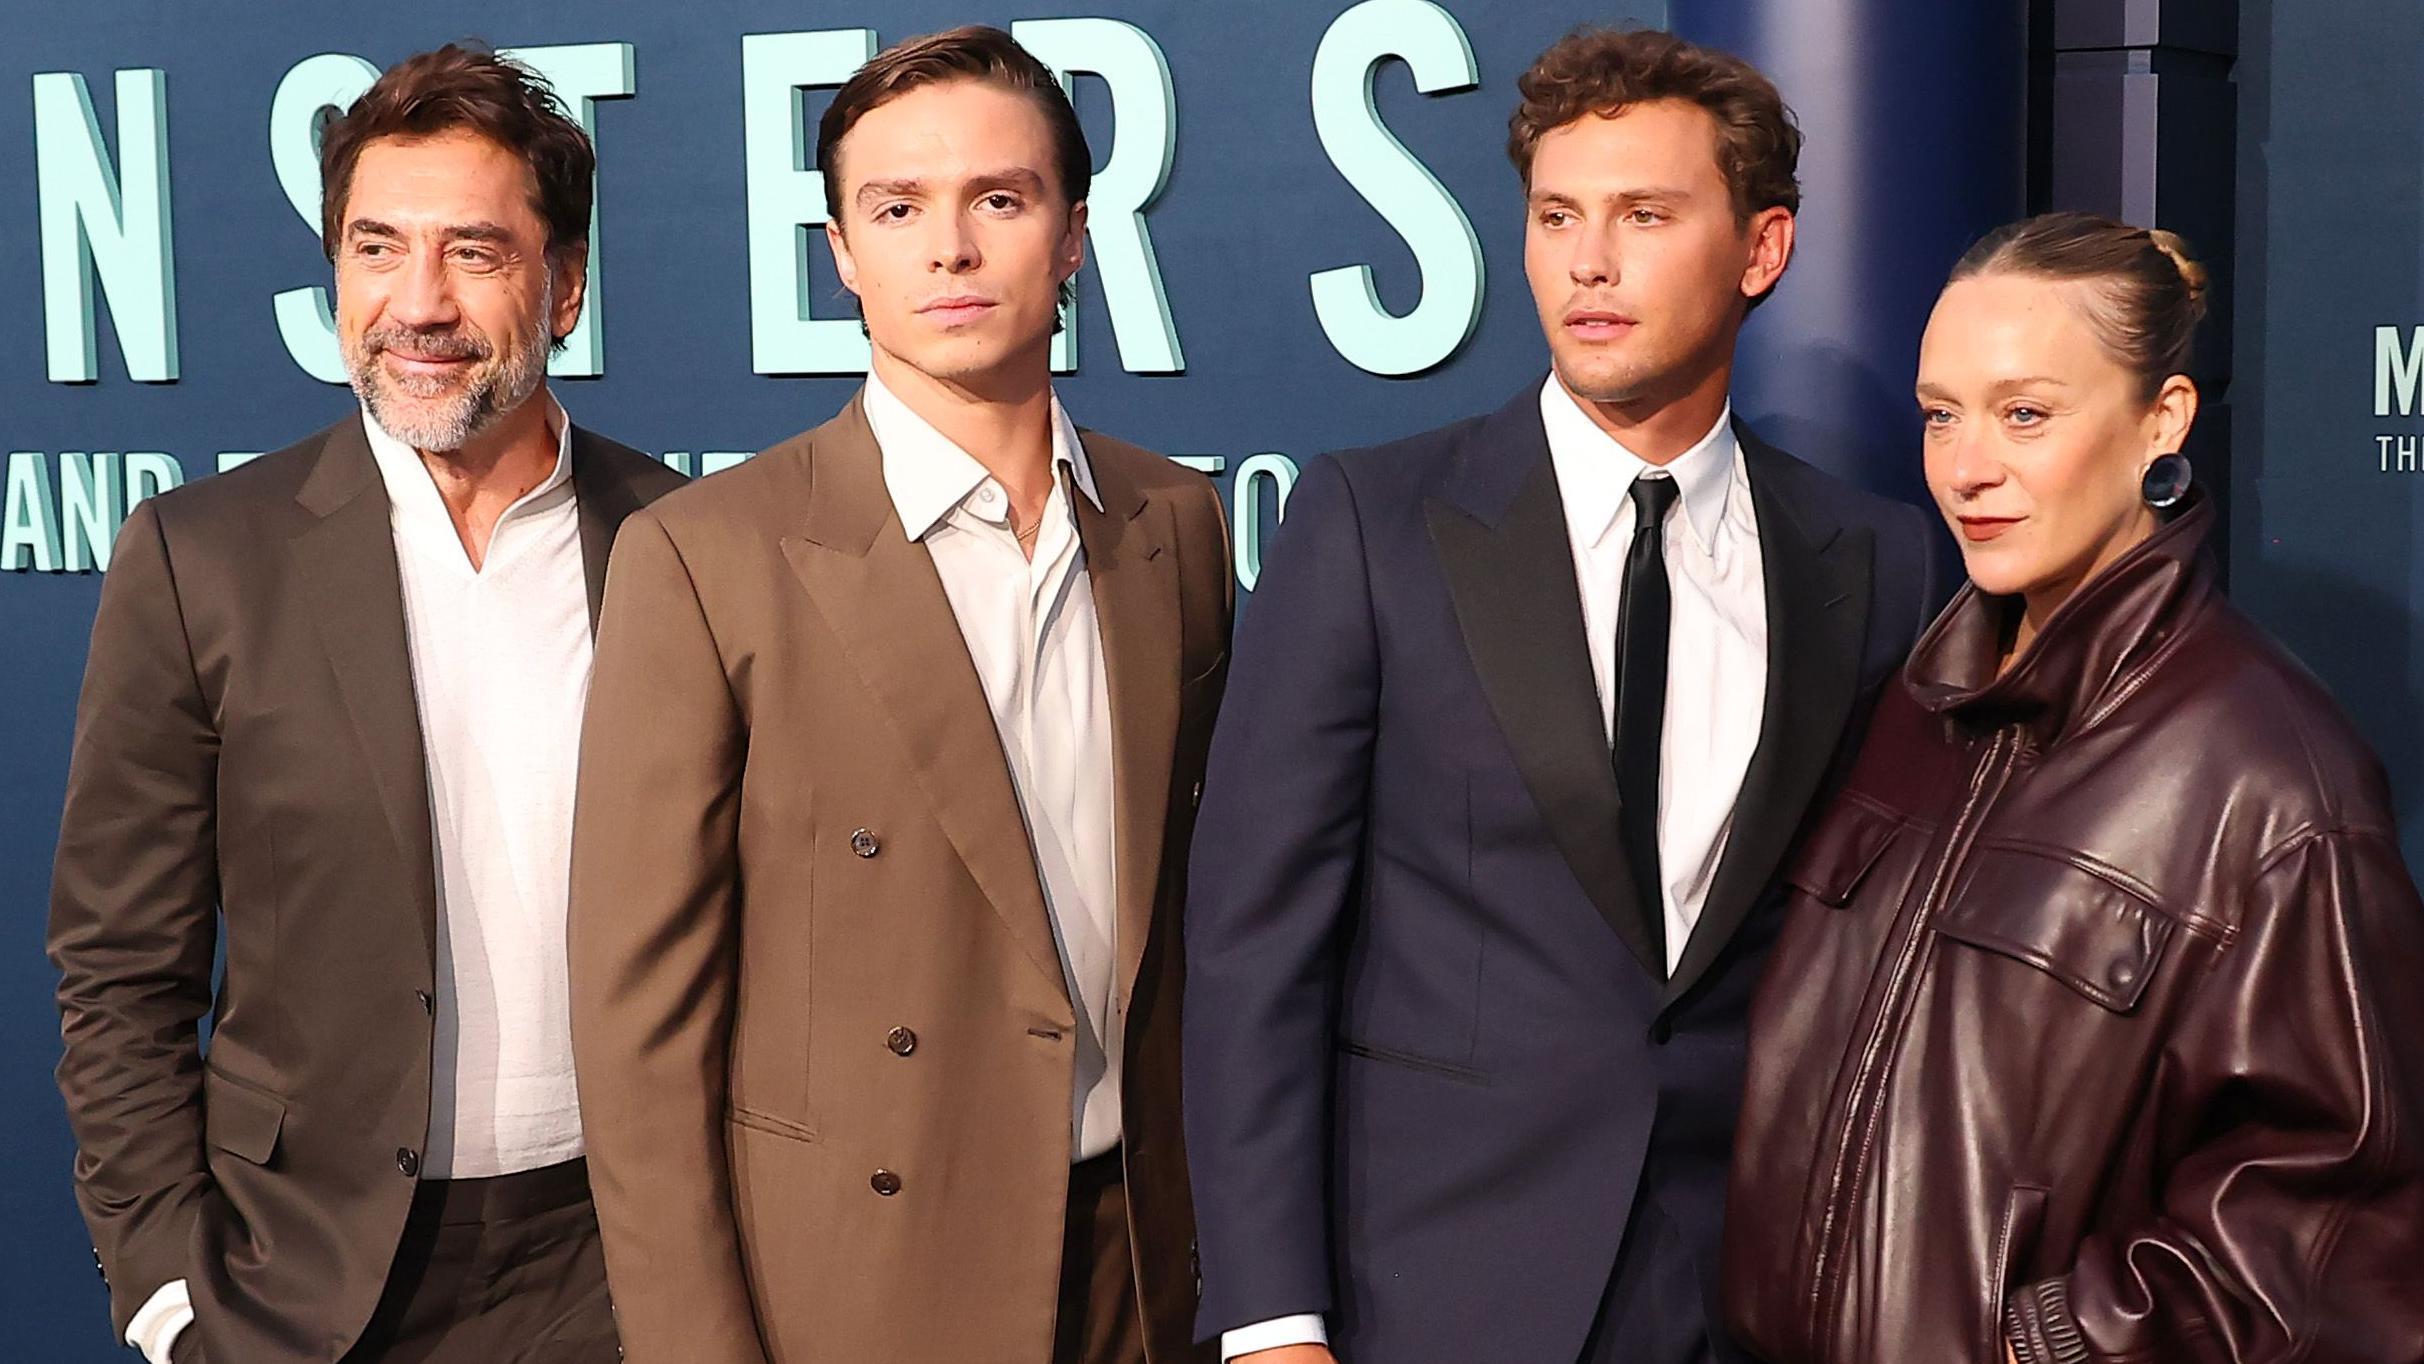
{"type": "Point", "coordinates": [1916, 118]}
{"type": "Point", "coordinates": [2140, 123]}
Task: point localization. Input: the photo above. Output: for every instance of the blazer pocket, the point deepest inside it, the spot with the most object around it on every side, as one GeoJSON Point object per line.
{"type": "Point", "coordinates": [239, 1118]}
{"type": "Point", "coordinates": [2099, 938]}
{"type": "Point", "coordinates": [766, 1123]}
{"type": "Point", "coordinates": [1390, 1056]}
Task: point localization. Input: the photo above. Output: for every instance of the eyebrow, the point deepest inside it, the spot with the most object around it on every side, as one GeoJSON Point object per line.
{"type": "Point", "coordinates": [478, 231]}
{"type": "Point", "coordinates": [1622, 198]}
{"type": "Point", "coordinates": [1017, 177]}
{"type": "Point", "coordinates": [2000, 386]}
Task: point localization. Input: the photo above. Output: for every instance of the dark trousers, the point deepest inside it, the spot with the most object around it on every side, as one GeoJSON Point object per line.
{"type": "Point", "coordinates": [505, 1270]}
{"type": "Point", "coordinates": [1653, 1312]}
{"type": "Point", "coordinates": [1100, 1320]}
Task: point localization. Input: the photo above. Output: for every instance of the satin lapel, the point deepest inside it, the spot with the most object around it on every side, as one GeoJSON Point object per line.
{"type": "Point", "coordinates": [1510, 572]}
{"type": "Point", "coordinates": [880, 595]}
{"type": "Point", "coordinates": [604, 499]}
{"type": "Point", "coordinates": [1136, 603]}
{"type": "Point", "coordinates": [345, 566]}
{"type": "Point", "coordinates": [1817, 579]}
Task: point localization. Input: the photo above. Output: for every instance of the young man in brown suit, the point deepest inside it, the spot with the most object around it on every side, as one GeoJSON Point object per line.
{"type": "Point", "coordinates": [329, 723]}
{"type": "Point", "coordinates": [889, 775]}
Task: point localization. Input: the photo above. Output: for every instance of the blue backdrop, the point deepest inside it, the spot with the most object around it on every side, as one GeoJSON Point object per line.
{"type": "Point", "coordinates": [1912, 107]}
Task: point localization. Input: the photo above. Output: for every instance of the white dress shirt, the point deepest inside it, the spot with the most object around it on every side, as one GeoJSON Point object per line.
{"type": "Point", "coordinates": [1032, 633]}
{"type": "Point", "coordinates": [500, 667]}
{"type": "Point", "coordinates": [1716, 663]}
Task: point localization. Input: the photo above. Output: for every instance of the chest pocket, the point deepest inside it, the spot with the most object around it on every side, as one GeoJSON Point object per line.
{"type": "Point", "coordinates": [2083, 929]}
{"type": "Point", "coordinates": [1841, 851]}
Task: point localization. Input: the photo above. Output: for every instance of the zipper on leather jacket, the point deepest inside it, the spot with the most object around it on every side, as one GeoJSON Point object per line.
{"type": "Point", "coordinates": [1861, 1111]}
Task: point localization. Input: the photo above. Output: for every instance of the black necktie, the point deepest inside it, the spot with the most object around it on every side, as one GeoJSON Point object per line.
{"type": "Point", "coordinates": [1643, 614]}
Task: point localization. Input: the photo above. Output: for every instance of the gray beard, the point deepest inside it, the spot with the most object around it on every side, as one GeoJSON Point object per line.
{"type": "Point", "coordinates": [452, 420]}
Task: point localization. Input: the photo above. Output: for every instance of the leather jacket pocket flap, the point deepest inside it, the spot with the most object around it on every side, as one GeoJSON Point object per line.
{"type": "Point", "coordinates": [1838, 853]}
{"type": "Point", "coordinates": [239, 1119]}
{"type": "Point", "coordinates": [2083, 929]}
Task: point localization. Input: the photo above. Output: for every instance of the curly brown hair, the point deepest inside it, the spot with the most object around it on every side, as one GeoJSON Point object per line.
{"type": "Point", "coordinates": [467, 86]}
{"type": "Point", "coordinates": [1603, 71]}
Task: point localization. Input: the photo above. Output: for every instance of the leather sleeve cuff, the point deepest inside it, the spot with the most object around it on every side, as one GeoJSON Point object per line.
{"type": "Point", "coordinates": [2040, 1326]}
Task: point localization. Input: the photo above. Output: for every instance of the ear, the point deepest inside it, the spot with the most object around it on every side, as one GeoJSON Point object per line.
{"type": "Point", "coordinates": [570, 268]}
{"type": "Point", "coordinates": [1771, 239]}
{"type": "Point", "coordinates": [1072, 253]}
{"type": "Point", "coordinates": [843, 263]}
{"type": "Point", "coordinates": [2175, 411]}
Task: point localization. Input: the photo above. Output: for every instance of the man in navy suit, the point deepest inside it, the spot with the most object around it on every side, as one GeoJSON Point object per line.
{"type": "Point", "coordinates": [1519, 726]}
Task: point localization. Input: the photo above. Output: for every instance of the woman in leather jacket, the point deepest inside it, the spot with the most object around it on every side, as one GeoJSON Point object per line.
{"type": "Point", "coordinates": [2096, 1026]}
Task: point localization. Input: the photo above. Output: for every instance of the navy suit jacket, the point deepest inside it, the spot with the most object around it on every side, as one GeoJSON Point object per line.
{"type": "Point", "coordinates": [1430, 1057]}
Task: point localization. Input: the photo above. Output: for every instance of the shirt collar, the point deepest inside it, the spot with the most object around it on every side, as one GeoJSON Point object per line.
{"type": "Point", "coordinates": [1595, 472]}
{"type": "Point", "coordinates": [413, 495]}
{"type": "Point", "coordinates": [928, 475]}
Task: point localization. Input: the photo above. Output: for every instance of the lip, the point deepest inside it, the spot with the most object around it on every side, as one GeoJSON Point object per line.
{"type": "Point", "coordinates": [957, 308]}
{"type": "Point", "coordinates": [1978, 529]}
{"type": "Point", "coordinates": [1599, 324]}
{"type": "Point", "coordinates": [407, 363]}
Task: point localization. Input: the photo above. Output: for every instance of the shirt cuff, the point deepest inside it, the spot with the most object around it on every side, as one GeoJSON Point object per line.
{"type": "Point", "coordinates": [1305, 1328]}
{"type": "Point", "coordinates": [158, 1323]}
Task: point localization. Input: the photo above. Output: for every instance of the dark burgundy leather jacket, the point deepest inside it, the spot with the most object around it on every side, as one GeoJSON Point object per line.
{"type": "Point", "coordinates": [2097, 1024]}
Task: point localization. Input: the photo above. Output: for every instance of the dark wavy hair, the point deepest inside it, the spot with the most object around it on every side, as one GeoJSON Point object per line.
{"type": "Point", "coordinates": [467, 86]}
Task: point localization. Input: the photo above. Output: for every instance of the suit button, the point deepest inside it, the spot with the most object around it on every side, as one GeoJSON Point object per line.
{"type": "Point", "coordinates": [1661, 1032]}
{"type": "Point", "coordinates": [408, 1160]}
{"type": "Point", "coordinates": [1198, 798]}
{"type": "Point", "coordinates": [884, 1182]}
{"type": "Point", "coordinates": [423, 996]}
{"type": "Point", "coordinates": [863, 843]}
{"type": "Point", "coordinates": [901, 1041]}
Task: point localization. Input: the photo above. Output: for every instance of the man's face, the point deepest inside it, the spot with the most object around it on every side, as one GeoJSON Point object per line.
{"type": "Point", "coordinates": [447, 303]}
{"type": "Point", "coordinates": [1638, 265]}
{"type": "Point", "coordinates": [954, 230]}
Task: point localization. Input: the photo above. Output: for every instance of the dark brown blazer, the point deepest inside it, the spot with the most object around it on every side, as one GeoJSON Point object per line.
{"type": "Point", "coordinates": [248, 773]}
{"type": "Point", "coordinates": [824, 1044]}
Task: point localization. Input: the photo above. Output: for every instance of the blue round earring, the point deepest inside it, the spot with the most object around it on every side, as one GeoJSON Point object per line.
{"type": "Point", "coordinates": [2166, 481]}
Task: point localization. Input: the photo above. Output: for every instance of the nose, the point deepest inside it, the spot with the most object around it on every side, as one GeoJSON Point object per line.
{"type": "Point", "coordinates": [1594, 260]}
{"type": "Point", "coordinates": [954, 247]}
{"type": "Point", "coordinates": [422, 295]}
{"type": "Point", "coordinates": [1973, 467]}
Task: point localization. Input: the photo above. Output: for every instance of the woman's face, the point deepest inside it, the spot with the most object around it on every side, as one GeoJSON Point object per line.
{"type": "Point", "coordinates": [2037, 438]}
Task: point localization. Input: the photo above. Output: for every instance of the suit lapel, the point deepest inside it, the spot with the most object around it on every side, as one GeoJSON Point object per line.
{"type": "Point", "coordinates": [603, 499]}
{"type": "Point", "coordinates": [1136, 603]}
{"type": "Point", "coordinates": [345, 561]}
{"type": "Point", "coordinates": [879, 593]}
{"type": "Point", "coordinates": [1818, 586]}
{"type": "Point", "coordinates": [1500, 531]}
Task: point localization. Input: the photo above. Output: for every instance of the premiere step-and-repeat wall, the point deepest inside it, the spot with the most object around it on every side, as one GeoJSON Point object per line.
{"type": "Point", "coordinates": [1305, 235]}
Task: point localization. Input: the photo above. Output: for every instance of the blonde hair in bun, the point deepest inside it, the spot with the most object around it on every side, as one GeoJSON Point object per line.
{"type": "Point", "coordinates": [2146, 289]}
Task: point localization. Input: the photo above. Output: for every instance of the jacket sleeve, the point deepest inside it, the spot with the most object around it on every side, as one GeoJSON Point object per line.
{"type": "Point", "coordinates": [1276, 848]}
{"type": "Point", "coordinates": [652, 939]}
{"type": "Point", "coordinates": [134, 899]}
{"type": "Point", "coordinates": [2290, 1222]}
